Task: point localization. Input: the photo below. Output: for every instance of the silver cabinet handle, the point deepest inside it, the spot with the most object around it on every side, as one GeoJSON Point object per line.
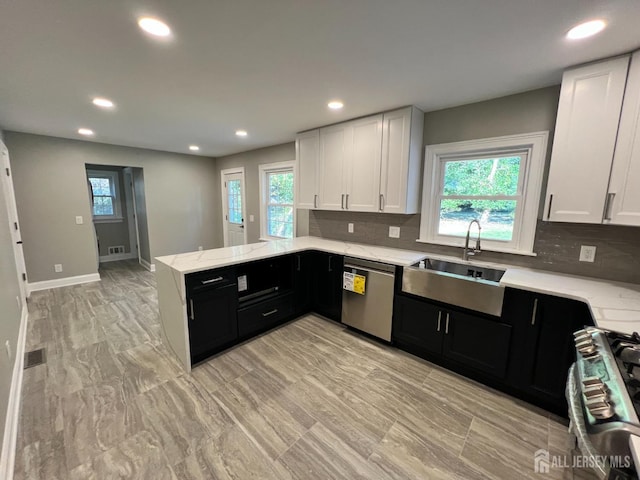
{"type": "Point", "coordinates": [342, 201]}
{"type": "Point", "coordinates": [535, 311]}
{"type": "Point", "coordinates": [330, 269]}
{"type": "Point", "coordinates": [346, 202]}
{"type": "Point", "coordinates": [381, 202]}
{"type": "Point", "coordinates": [446, 325]}
{"type": "Point", "coordinates": [266, 314]}
{"type": "Point", "coordinates": [608, 205]}
{"type": "Point", "coordinates": [298, 257]}
{"type": "Point", "coordinates": [315, 201]}
{"type": "Point", "coordinates": [211, 280]}
{"type": "Point", "coordinates": [191, 316]}
{"type": "Point", "coordinates": [549, 210]}
{"type": "Point", "coordinates": [439, 318]}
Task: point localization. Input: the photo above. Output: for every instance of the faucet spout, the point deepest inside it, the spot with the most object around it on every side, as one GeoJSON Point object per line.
{"type": "Point", "coordinates": [475, 251]}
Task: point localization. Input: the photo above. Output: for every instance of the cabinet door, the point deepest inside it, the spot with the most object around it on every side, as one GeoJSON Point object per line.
{"type": "Point", "coordinates": [401, 161]}
{"type": "Point", "coordinates": [303, 274]}
{"type": "Point", "coordinates": [477, 342]}
{"type": "Point", "coordinates": [362, 167]}
{"type": "Point", "coordinates": [307, 153]}
{"type": "Point", "coordinates": [419, 324]}
{"type": "Point", "coordinates": [584, 141]}
{"type": "Point", "coordinates": [549, 349]}
{"type": "Point", "coordinates": [335, 143]}
{"type": "Point", "coordinates": [212, 321]}
{"type": "Point", "coordinates": [624, 188]}
{"type": "Point", "coordinates": [327, 285]}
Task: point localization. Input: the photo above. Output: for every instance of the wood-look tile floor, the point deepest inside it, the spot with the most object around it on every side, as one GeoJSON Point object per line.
{"type": "Point", "coordinates": [310, 400]}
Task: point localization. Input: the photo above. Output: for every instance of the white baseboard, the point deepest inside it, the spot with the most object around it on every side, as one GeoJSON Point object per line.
{"type": "Point", "coordinates": [63, 282]}
{"type": "Point", "coordinates": [117, 256]}
{"type": "Point", "coordinates": [10, 437]}
{"type": "Point", "coordinates": [149, 266]}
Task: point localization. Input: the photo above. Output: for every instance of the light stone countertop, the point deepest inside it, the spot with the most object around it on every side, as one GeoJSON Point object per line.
{"type": "Point", "coordinates": [614, 306]}
{"type": "Point", "coordinates": [221, 257]}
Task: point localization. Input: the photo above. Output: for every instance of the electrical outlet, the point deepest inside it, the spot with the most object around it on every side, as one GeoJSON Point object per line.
{"type": "Point", "coordinates": [350, 227]}
{"type": "Point", "coordinates": [57, 267]}
{"type": "Point", "coordinates": [252, 218]}
{"type": "Point", "coordinates": [79, 220]}
{"type": "Point", "coordinates": [394, 232]}
{"type": "Point", "coordinates": [7, 345]}
{"type": "Point", "coordinates": [587, 253]}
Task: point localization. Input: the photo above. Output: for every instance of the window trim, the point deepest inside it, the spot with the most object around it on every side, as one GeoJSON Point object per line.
{"type": "Point", "coordinates": [534, 144]}
{"type": "Point", "coordinates": [264, 170]}
{"type": "Point", "coordinates": [114, 178]}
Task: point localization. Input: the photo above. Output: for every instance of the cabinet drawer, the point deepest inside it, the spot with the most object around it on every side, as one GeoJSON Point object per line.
{"type": "Point", "coordinates": [264, 315]}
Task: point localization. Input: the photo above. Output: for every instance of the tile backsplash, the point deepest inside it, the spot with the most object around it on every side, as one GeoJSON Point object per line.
{"type": "Point", "coordinates": [557, 245]}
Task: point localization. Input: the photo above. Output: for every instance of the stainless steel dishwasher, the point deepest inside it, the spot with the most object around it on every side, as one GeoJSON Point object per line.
{"type": "Point", "coordinates": [371, 310]}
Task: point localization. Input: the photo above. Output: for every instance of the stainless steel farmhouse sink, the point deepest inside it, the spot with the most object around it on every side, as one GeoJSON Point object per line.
{"type": "Point", "coordinates": [463, 285]}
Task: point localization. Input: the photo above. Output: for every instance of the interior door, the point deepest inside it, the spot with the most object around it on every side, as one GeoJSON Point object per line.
{"type": "Point", "coordinates": [234, 209]}
{"type": "Point", "coordinates": [10, 200]}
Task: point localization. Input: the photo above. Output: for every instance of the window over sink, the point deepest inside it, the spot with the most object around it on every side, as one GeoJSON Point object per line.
{"type": "Point", "coordinates": [496, 181]}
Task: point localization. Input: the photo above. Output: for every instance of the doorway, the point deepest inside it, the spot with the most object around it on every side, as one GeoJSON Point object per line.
{"type": "Point", "coordinates": [233, 207]}
{"type": "Point", "coordinates": [119, 213]}
{"type": "Point", "coordinates": [12, 211]}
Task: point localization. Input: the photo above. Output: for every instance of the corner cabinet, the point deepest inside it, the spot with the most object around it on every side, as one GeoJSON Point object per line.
{"type": "Point", "coordinates": [371, 164]}
{"type": "Point", "coordinates": [595, 162]}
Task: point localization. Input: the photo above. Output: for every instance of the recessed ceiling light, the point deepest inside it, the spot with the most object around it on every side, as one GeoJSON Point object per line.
{"type": "Point", "coordinates": [335, 105]}
{"type": "Point", "coordinates": [586, 29]}
{"type": "Point", "coordinates": [241, 133]}
{"type": "Point", "coordinates": [154, 26]}
{"type": "Point", "coordinates": [103, 102]}
{"type": "Point", "coordinates": [85, 131]}
{"type": "Point", "coordinates": [194, 148]}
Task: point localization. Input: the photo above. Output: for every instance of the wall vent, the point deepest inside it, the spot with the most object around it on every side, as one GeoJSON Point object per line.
{"type": "Point", "coordinates": [115, 250]}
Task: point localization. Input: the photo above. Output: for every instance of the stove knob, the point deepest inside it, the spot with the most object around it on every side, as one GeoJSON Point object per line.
{"type": "Point", "coordinates": [596, 391]}
{"type": "Point", "coordinates": [581, 333]}
{"type": "Point", "coordinates": [600, 408]}
{"type": "Point", "coordinates": [588, 350]}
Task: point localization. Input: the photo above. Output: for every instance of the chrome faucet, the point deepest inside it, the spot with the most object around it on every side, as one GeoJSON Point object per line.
{"type": "Point", "coordinates": [475, 251]}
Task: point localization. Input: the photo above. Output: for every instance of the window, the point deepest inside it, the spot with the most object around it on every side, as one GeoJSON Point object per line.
{"type": "Point", "coordinates": [276, 192]}
{"type": "Point", "coordinates": [234, 199]}
{"type": "Point", "coordinates": [496, 181]}
{"type": "Point", "coordinates": [105, 198]}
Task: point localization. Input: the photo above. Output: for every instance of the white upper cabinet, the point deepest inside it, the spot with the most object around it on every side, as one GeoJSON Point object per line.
{"type": "Point", "coordinates": [401, 161]}
{"type": "Point", "coordinates": [307, 151]}
{"type": "Point", "coordinates": [623, 206]}
{"type": "Point", "coordinates": [584, 141]}
{"type": "Point", "coordinates": [366, 165]}
{"type": "Point", "coordinates": [335, 144]}
{"type": "Point", "coordinates": [361, 171]}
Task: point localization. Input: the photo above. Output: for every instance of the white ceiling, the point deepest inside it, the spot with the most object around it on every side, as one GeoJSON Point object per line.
{"type": "Point", "coordinates": [271, 66]}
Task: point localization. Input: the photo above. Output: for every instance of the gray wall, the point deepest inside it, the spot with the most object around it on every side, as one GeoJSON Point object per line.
{"type": "Point", "coordinates": [111, 234]}
{"type": "Point", "coordinates": [10, 312]}
{"type": "Point", "coordinates": [557, 244]}
{"type": "Point", "coordinates": [251, 161]}
{"type": "Point", "coordinates": [182, 198]}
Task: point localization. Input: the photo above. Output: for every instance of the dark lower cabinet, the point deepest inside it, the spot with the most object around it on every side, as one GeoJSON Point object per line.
{"type": "Point", "coordinates": [417, 325]}
{"type": "Point", "coordinates": [212, 320]}
{"type": "Point", "coordinates": [543, 343]}
{"type": "Point", "coordinates": [303, 271]}
{"type": "Point", "coordinates": [264, 315]}
{"type": "Point", "coordinates": [473, 341]}
{"type": "Point", "coordinates": [480, 343]}
{"type": "Point", "coordinates": [327, 284]}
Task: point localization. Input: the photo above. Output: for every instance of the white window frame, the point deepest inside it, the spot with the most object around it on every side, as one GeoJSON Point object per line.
{"type": "Point", "coordinates": [264, 170]}
{"type": "Point", "coordinates": [114, 179]}
{"type": "Point", "coordinates": [535, 146]}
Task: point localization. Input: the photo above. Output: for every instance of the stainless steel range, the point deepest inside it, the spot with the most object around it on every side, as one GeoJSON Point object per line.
{"type": "Point", "coordinates": [603, 393]}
